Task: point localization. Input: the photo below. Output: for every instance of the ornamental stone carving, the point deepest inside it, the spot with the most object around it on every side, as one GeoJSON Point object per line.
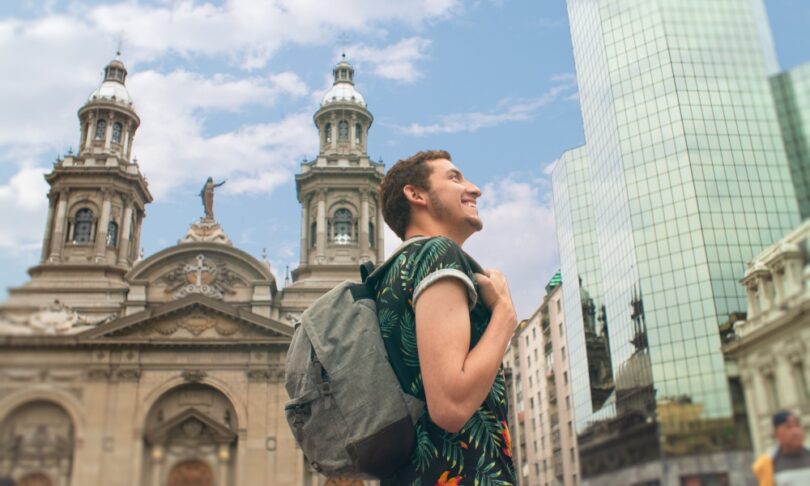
{"type": "Point", "coordinates": [202, 277]}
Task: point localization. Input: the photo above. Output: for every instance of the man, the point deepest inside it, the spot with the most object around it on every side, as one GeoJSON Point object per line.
{"type": "Point", "coordinates": [789, 463]}
{"type": "Point", "coordinates": [446, 324]}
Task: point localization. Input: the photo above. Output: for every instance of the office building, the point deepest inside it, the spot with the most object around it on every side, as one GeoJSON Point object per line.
{"type": "Point", "coordinates": [683, 178]}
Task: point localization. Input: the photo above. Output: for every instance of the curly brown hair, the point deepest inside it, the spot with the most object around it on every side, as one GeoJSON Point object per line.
{"type": "Point", "coordinates": [414, 171]}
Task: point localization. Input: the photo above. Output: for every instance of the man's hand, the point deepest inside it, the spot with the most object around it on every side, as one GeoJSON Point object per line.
{"type": "Point", "coordinates": [495, 291]}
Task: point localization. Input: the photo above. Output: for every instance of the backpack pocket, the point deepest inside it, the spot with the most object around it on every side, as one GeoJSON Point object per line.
{"type": "Point", "coordinates": [313, 416]}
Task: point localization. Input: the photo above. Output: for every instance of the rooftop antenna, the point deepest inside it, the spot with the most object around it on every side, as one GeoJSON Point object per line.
{"type": "Point", "coordinates": [343, 40]}
{"type": "Point", "coordinates": [120, 45]}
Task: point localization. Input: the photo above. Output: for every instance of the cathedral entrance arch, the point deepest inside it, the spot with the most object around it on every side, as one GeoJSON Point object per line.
{"type": "Point", "coordinates": [35, 479]}
{"type": "Point", "coordinates": [191, 473]}
{"type": "Point", "coordinates": [37, 444]}
{"type": "Point", "coordinates": [190, 438]}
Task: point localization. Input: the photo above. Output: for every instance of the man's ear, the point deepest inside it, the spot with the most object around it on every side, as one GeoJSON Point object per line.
{"type": "Point", "coordinates": [414, 195]}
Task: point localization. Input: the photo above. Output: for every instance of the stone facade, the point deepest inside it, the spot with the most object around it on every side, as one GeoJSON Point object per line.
{"type": "Point", "coordinates": [168, 370]}
{"type": "Point", "coordinates": [771, 345]}
{"type": "Point", "coordinates": [547, 444]}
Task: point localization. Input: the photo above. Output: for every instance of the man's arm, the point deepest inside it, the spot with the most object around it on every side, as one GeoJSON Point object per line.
{"type": "Point", "coordinates": [457, 379]}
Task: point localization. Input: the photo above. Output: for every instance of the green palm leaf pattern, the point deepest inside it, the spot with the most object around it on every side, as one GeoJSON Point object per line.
{"type": "Point", "coordinates": [388, 320]}
{"type": "Point", "coordinates": [417, 387]}
{"type": "Point", "coordinates": [432, 253]}
{"type": "Point", "coordinates": [497, 394]}
{"type": "Point", "coordinates": [487, 475]}
{"type": "Point", "coordinates": [424, 452]}
{"type": "Point", "coordinates": [452, 452]}
{"type": "Point", "coordinates": [483, 430]}
{"type": "Point", "coordinates": [391, 277]}
{"type": "Point", "coordinates": [410, 353]}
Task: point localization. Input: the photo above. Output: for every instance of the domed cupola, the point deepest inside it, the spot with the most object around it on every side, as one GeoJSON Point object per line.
{"type": "Point", "coordinates": [108, 119]}
{"type": "Point", "coordinates": [343, 119]}
{"type": "Point", "coordinates": [343, 90]}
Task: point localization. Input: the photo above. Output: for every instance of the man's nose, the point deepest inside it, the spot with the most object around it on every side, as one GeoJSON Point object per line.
{"type": "Point", "coordinates": [474, 190]}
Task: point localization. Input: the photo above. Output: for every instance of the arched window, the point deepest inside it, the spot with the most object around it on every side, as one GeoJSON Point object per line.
{"type": "Point", "coordinates": [358, 134]}
{"type": "Point", "coordinates": [370, 234]}
{"type": "Point", "coordinates": [327, 133]}
{"type": "Point", "coordinates": [112, 234]}
{"type": "Point", "coordinates": [343, 226]}
{"type": "Point", "coordinates": [116, 134]}
{"type": "Point", "coordinates": [312, 237]}
{"type": "Point", "coordinates": [101, 128]}
{"type": "Point", "coordinates": [343, 130]}
{"type": "Point", "coordinates": [83, 230]}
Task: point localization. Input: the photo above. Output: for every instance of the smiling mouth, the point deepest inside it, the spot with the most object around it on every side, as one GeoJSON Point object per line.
{"type": "Point", "coordinates": [470, 204]}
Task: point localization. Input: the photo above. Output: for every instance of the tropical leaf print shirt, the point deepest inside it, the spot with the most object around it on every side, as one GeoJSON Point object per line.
{"type": "Point", "coordinates": [481, 452]}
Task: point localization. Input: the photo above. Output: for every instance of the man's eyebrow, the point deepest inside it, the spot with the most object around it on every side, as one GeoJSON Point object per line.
{"type": "Point", "coordinates": [455, 172]}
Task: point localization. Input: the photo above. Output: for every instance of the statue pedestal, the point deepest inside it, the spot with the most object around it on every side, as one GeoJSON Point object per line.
{"type": "Point", "coordinates": [206, 229]}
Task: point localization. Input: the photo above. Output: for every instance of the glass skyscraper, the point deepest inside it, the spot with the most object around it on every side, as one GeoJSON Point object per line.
{"type": "Point", "coordinates": [682, 179]}
{"type": "Point", "coordinates": [791, 93]}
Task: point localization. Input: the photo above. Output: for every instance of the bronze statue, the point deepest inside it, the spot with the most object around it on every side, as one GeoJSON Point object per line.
{"type": "Point", "coordinates": [207, 196]}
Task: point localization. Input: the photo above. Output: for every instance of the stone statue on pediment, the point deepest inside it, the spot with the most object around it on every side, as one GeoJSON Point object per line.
{"type": "Point", "coordinates": [207, 196]}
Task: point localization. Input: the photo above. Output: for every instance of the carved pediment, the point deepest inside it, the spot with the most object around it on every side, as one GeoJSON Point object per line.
{"type": "Point", "coordinates": [193, 319]}
{"type": "Point", "coordinates": [192, 425]}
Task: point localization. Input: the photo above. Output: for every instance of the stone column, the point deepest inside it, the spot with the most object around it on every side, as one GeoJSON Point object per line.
{"type": "Point", "coordinates": [103, 222]}
{"type": "Point", "coordinates": [108, 134]}
{"type": "Point", "coordinates": [125, 139]}
{"type": "Point", "coordinates": [58, 238]}
{"type": "Point", "coordinates": [778, 274]}
{"type": "Point", "coordinates": [224, 456]}
{"type": "Point", "coordinates": [157, 465]}
{"type": "Point", "coordinates": [364, 256]}
{"type": "Point", "coordinates": [786, 380]}
{"type": "Point", "coordinates": [379, 229]}
{"type": "Point", "coordinates": [793, 277]}
{"type": "Point", "coordinates": [352, 129]}
{"type": "Point", "coordinates": [126, 227]}
{"type": "Point", "coordinates": [334, 129]}
{"type": "Point", "coordinates": [304, 227]}
{"type": "Point", "coordinates": [137, 221]}
{"type": "Point", "coordinates": [751, 406]}
{"type": "Point", "coordinates": [320, 230]}
{"type": "Point", "coordinates": [751, 296]}
{"type": "Point", "coordinates": [765, 302]}
{"type": "Point", "coordinates": [91, 131]}
{"type": "Point", "coordinates": [48, 227]}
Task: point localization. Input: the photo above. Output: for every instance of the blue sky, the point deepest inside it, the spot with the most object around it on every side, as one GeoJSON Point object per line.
{"type": "Point", "coordinates": [228, 89]}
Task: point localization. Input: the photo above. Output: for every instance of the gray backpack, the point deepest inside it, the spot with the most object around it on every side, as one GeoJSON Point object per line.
{"type": "Point", "coordinates": [347, 409]}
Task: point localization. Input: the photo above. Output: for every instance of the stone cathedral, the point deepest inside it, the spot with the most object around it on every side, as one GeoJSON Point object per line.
{"type": "Point", "coordinates": [119, 370]}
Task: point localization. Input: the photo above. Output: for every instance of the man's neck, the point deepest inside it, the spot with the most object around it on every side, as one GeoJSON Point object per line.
{"type": "Point", "coordinates": [431, 229]}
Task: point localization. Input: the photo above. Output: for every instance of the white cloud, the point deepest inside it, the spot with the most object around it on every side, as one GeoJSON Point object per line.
{"type": "Point", "coordinates": [173, 148]}
{"type": "Point", "coordinates": [249, 31]}
{"type": "Point", "coordinates": [507, 110]}
{"type": "Point", "coordinates": [519, 238]}
{"type": "Point", "coordinates": [24, 205]}
{"type": "Point", "coordinates": [396, 61]}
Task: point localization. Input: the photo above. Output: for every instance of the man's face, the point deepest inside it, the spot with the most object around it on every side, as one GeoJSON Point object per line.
{"type": "Point", "coordinates": [452, 199]}
{"type": "Point", "coordinates": [790, 434]}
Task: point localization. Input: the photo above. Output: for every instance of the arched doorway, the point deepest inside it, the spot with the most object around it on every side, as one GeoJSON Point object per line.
{"type": "Point", "coordinates": [191, 473]}
{"type": "Point", "coordinates": [35, 479]}
{"type": "Point", "coordinates": [36, 444]}
{"type": "Point", "coordinates": [190, 438]}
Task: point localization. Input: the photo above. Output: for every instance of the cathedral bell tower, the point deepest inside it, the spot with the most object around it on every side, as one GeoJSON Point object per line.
{"type": "Point", "coordinates": [341, 219]}
{"type": "Point", "coordinates": [96, 205]}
